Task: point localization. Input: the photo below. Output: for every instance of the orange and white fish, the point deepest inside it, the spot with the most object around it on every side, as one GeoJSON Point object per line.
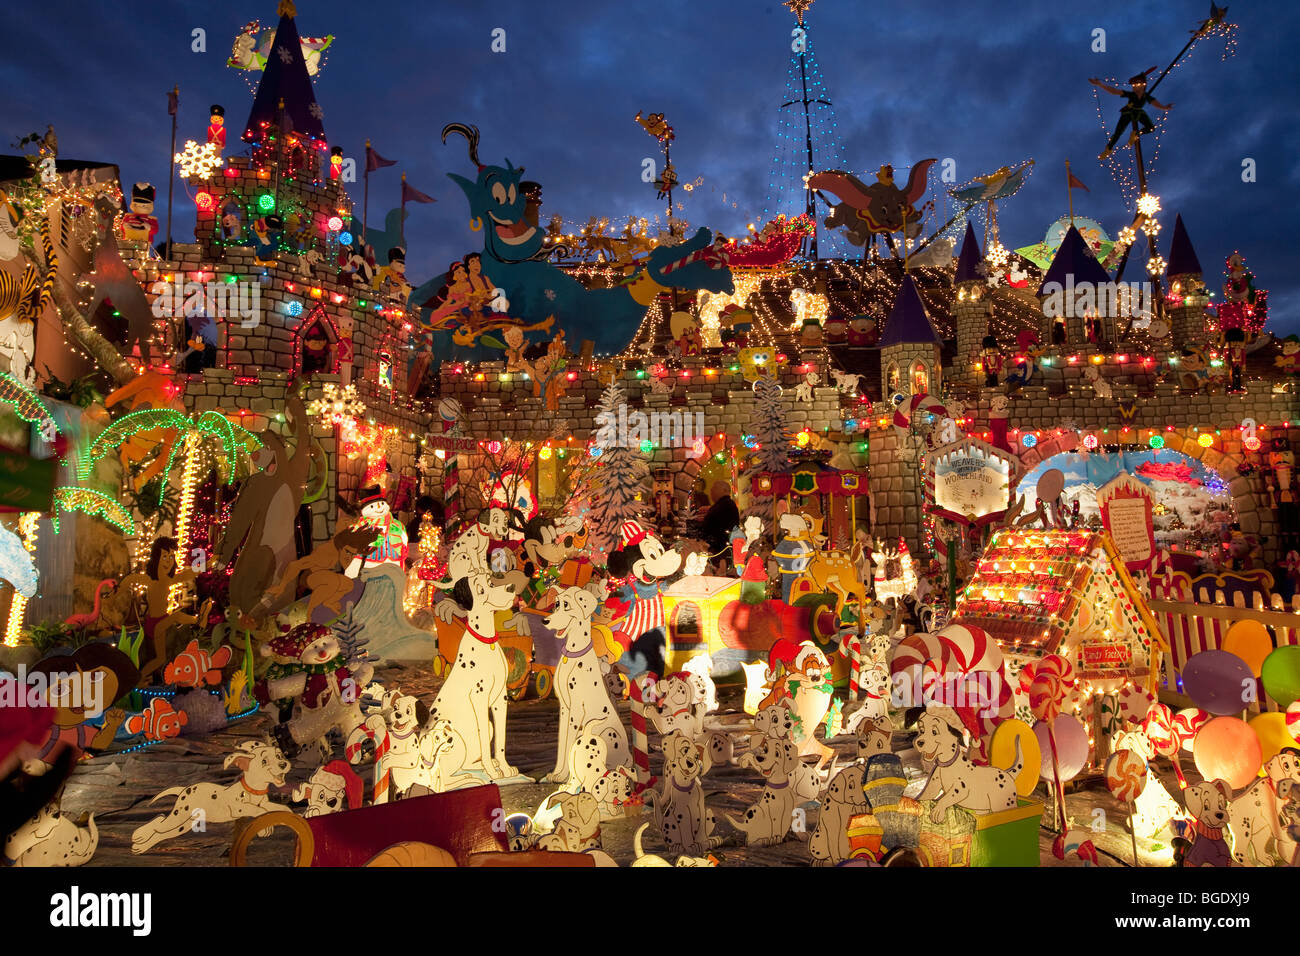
{"type": "Point", "coordinates": [159, 721]}
{"type": "Point", "coordinates": [194, 667]}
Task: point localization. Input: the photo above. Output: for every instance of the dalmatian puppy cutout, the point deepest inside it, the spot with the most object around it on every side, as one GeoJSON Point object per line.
{"type": "Point", "coordinates": [846, 381]}
{"type": "Point", "coordinates": [404, 716]}
{"type": "Point", "coordinates": [680, 703]}
{"type": "Point", "coordinates": [768, 821]}
{"type": "Point", "coordinates": [1259, 839]}
{"type": "Point", "coordinates": [654, 860]}
{"type": "Point", "coordinates": [586, 708]}
{"type": "Point", "coordinates": [261, 765]}
{"type": "Point", "coordinates": [676, 707]}
{"type": "Point", "coordinates": [468, 555]}
{"type": "Point", "coordinates": [52, 838]}
{"type": "Point", "coordinates": [873, 739]}
{"type": "Point", "coordinates": [776, 721]}
{"type": "Point", "coordinates": [829, 845]}
{"type": "Point", "coordinates": [613, 792]}
{"type": "Point", "coordinates": [1208, 804]}
{"type": "Point", "coordinates": [332, 788]}
{"type": "Point", "coordinates": [803, 392]}
{"type": "Point", "coordinates": [1092, 376]}
{"type": "Point", "coordinates": [875, 684]}
{"type": "Point", "coordinates": [699, 670]}
{"type": "Point", "coordinates": [680, 815]}
{"type": "Point", "coordinates": [578, 828]}
{"type": "Point", "coordinates": [473, 697]}
{"type": "Point", "coordinates": [955, 781]}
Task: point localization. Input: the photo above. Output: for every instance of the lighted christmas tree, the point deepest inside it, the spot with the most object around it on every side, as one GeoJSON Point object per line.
{"type": "Point", "coordinates": [807, 140]}
{"type": "Point", "coordinates": [611, 490]}
{"type": "Point", "coordinates": [1244, 306]}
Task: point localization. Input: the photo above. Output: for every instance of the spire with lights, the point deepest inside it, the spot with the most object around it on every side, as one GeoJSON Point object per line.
{"type": "Point", "coordinates": [807, 138]}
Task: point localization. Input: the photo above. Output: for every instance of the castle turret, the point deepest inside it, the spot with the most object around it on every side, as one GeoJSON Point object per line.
{"type": "Point", "coordinates": [910, 347]}
{"type": "Point", "coordinates": [1071, 290]}
{"type": "Point", "coordinates": [971, 308]}
{"type": "Point", "coordinates": [1187, 296]}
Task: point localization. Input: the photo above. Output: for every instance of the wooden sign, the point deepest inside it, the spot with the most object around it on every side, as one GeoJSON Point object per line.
{"type": "Point", "coordinates": [1125, 505]}
{"type": "Point", "coordinates": [969, 481]}
{"type": "Point", "coordinates": [1101, 661]}
{"type": "Point", "coordinates": [446, 443]}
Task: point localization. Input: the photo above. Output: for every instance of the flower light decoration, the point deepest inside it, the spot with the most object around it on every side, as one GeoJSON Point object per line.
{"type": "Point", "coordinates": [198, 162]}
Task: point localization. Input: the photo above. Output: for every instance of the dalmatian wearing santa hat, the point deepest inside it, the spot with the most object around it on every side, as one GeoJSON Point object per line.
{"type": "Point", "coordinates": [645, 562]}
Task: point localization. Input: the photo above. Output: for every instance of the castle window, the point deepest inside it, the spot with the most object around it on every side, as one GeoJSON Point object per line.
{"type": "Point", "coordinates": [317, 345]}
{"type": "Point", "coordinates": [920, 379]}
{"type": "Point", "coordinates": [893, 378]}
{"type": "Point", "coordinates": [385, 370]}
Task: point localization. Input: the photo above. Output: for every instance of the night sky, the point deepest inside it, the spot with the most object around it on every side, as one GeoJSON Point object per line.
{"type": "Point", "coordinates": [988, 84]}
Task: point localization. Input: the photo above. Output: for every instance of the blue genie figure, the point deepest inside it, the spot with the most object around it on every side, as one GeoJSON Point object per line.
{"type": "Point", "coordinates": [513, 259]}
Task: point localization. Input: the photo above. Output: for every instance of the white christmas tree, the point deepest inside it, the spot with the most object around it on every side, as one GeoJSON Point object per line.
{"type": "Point", "coordinates": [615, 478]}
{"type": "Point", "coordinates": [773, 452]}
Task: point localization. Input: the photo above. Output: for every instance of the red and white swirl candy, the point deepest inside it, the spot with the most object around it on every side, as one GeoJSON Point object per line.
{"type": "Point", "coordinates": [1126, 775]}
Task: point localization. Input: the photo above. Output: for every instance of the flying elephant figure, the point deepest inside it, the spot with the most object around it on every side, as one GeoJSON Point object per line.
{"type": "Point", "coordinates": [866, 211]}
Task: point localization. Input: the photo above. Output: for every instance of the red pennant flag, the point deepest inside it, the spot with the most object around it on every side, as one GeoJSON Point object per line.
{"type": "Point", "coordinates": [1075, 184]}
{"type": "Point", "coordinates": [411, 194]}
{"type": "Point", "coordinates": [375, 161]}
{"type": "Point", "coordinates": [173, 100]}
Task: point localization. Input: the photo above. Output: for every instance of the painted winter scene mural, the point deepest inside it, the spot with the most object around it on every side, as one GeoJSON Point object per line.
{"type": "Point", "coordinates": [1193, 509]}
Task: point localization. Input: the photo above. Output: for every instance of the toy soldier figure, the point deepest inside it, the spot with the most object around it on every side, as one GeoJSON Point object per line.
{"type": "Point", "coordinates": [1133, 113]}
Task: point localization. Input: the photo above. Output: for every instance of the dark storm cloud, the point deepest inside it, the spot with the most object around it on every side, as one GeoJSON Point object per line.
{"type": "Point", "coordinates": [987, 84]}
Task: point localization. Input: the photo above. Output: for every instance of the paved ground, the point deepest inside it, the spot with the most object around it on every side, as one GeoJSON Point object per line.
{"type": "Point", "coordinates": [118, 788]}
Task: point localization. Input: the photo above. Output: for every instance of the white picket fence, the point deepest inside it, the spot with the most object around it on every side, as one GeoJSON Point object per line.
{"type": "Point", "coordinates": [1192, 628]}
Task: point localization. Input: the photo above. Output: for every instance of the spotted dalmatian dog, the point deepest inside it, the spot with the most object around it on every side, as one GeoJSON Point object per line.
{"type": "Point", "coordinates": [955, 781]}
{"type": "Point", "coordinates": [679, 812]}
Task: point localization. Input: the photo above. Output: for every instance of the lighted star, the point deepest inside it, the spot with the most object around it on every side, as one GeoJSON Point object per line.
{"type": "Point", "coordinates": [798, 7]}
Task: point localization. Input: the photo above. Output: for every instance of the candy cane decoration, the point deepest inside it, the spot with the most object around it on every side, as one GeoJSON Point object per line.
{"type": "Point", "coordinates": [907, 409]}
{"type": "Point", "coordinates": [958, 650]}
{"type": "Point", "coordinates": [715, 257]}
{"type": "Point", "coordinates": [640, 734]}
{"type": "Point", "coordinates": [375, 730]}
{"type": "Point", "coordinates": [851, 650]}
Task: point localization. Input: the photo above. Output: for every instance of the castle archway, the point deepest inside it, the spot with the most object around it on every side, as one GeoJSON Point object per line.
{"type": "Point", "coordinates": [1196, 477]}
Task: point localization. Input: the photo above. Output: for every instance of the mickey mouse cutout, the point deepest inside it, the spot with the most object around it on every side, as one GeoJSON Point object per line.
{"type": "Point", "coordinates": [645, 561]}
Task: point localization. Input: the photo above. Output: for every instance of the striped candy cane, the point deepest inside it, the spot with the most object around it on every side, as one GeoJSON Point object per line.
{"type": "Point", "coordinates": [375, 730]}
{"type": "Point", "coordinates": [637, 688]}
{"type": "Point", "coordinates": [851, 650]}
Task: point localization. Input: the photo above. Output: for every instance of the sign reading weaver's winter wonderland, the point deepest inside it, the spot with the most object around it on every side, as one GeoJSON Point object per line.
{"type": "Point", "coordinates": [1125, 505]}
{"type": "Point", "coordinates": [969, 481]}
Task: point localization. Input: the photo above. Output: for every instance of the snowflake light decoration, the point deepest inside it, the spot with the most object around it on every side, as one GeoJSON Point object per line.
{"type": "Point", "coordinates": [198, 162]}
{"type": "Point", "coordinates": [337, 404]}
{"type": "Point", "coordinates": [1148, 204]}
